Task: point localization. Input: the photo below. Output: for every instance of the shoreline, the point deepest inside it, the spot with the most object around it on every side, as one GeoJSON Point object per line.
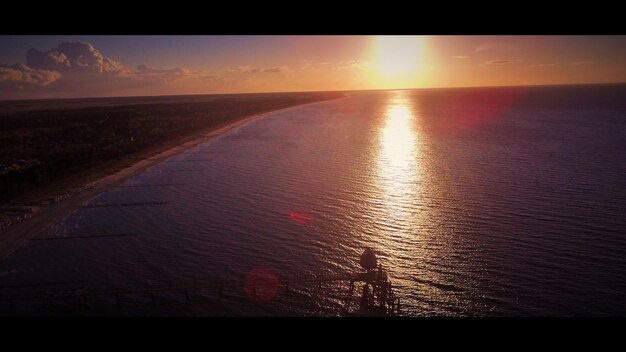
{"type": "Point", "coordinates": [48, 215]}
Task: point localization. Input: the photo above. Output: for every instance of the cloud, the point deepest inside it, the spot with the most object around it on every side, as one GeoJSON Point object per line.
{"type": "Point", "coordinates": [212, 78]}
{"type": "Point", "coordinates": [178, 71]}
{"type": "Point", "coordinates": [460, 57]}
{"type": "Point", "coordinates": [153, 75]}
{"type": "Point", "coordinates": [315, 63]}
{"type": "Point", "coordinates": [243, 69]}
{"type": "Point", "coordinates": [313, 66]}
{"type": "Point", "coordinates": [277, 69]}
{"type": "Point", "coordinates": [548, 65]}
{"type": "Point", "coordinates": [77, 69]}
{"type": "Point", "coordinates": [351, 64]}
{"type": "Point", "coordinates": [479, 48]}
{"type": "Point", "coordinates": [364, 65]}
{"type": "Point", "coordinates": [571, 63]}
{"type": "Point", "coordinates": [501, 62]}
{"type": "Point", "coordinates": [21, 74]}
{"type": "Point", "coordinates": [74, 58]}
{"type": "Point", "coordinates": [579, 63]}
{"type": "Point", "coordinates": [249, 69]}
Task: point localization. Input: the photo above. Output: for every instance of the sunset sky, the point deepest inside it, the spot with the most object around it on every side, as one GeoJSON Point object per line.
{"type": "Point", "coordinates": [86, 66]}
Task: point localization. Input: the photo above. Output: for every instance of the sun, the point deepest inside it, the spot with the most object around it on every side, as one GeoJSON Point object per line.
{"type": "Point", "coordinates": [398, 55]}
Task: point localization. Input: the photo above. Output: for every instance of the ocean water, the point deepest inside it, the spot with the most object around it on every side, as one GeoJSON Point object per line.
{"type": "Point", "coordinates": [479, 202]}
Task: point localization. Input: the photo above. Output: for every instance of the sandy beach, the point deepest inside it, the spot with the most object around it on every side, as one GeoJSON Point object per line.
{"type": "Point", "coordinates": [47, 215]}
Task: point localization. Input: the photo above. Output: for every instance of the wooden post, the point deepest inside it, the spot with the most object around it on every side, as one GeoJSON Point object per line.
{"type": "Point", "coordinates": [287, 287]}
{"type": "Point", "coordinates": [349, 297]}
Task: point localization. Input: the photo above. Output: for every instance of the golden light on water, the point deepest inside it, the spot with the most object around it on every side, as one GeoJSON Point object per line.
{"type": "Point", "coordinates": [402, 218]}
{"type": "Point", "coordinates": [398, 167]}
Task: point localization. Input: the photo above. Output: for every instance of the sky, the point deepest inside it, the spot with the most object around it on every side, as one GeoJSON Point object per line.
{"type": "Point", "coordinates": [35, 67]}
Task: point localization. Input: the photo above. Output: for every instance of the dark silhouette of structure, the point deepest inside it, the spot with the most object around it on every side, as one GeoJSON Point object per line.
{"type": "Point", "coordinates": [368, 259]}
{"type": "Point", "coordinates": [377, 297]}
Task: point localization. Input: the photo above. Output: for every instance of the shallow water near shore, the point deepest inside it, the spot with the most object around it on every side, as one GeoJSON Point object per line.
{"type": "Point", "coordinates": [499, 201]}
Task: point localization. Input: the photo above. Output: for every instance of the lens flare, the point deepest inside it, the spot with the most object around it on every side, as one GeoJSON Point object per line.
{"type": "Point", "coordinates": [261, 285]}
{"type": "Point", "coordinates": [301, 218]}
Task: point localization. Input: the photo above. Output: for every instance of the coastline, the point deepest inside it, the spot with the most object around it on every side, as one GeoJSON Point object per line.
{"type": "Point", "coordinates": [48, 215]}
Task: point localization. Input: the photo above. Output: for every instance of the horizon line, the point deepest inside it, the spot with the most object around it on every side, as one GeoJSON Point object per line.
{"type": "Point", "coordinates": [318, 91]}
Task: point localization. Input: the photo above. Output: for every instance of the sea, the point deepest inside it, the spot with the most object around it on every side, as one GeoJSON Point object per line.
{"type": "Point", "coordinates": [505, 201]}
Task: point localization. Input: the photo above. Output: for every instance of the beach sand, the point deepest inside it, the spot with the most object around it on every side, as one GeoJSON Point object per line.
{"type": "Point", "coordinates": [47, 215]}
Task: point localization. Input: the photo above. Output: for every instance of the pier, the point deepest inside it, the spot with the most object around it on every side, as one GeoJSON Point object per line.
{"type": "Point", "coordinates": [83, 236]}
{"type": "Point", "coordinates": [187, 161]}
{"type": "Point", "coordinates": [125, 204]}
{"type": "Point", "coordinates": [154, 185]}
{"type": "Point", "coordinates": [166, 171]}
{"type": "Point", "coordinates": [339, 292]}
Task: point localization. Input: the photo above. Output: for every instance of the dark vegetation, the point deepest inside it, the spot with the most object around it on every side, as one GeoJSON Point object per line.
{"type": "Point", "coordinates": [41, 145]}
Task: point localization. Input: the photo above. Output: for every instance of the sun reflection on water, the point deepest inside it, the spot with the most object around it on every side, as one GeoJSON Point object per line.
{"type": "Point", "coordinates": [398, 168]}
{"type": "Point", "coordinates": [400, 232]}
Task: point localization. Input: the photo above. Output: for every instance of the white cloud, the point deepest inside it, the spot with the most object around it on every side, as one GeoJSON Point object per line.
{"type": "Point", "coordinates": [579, 63]}
{"type": "Point", "coordinates": [79, 69]}
{"type": "Point", "coordinates": [275, 69]}
{"type": "Point", "coordinates": [22, 74]}
{"type": "Point", "coordinates": [502, 62]}
{"type": "Point", "coordinates": [74, 58]}
{"type": "Point", "coordinates": [571, 63]}
{"type": "Point", "coordinates": [249, 69]}
{"type": "Point", "coordinates": [178, 71]}
{"type": "Point", "coordinates": [479, 48]}
{"type": "Point", "coordinates": [76, 69]}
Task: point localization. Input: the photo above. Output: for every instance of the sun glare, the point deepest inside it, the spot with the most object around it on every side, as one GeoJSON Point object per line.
{"type": "Point", "coordinates": [399, 169]}
{"type": "Point", "coordinates": [398, 55]}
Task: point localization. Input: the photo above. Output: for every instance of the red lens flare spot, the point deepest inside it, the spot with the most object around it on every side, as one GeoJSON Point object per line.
{"type": "Point", "coordinates": [301, 218]}
{"type": "Point", "coordinates": [261, 285]}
